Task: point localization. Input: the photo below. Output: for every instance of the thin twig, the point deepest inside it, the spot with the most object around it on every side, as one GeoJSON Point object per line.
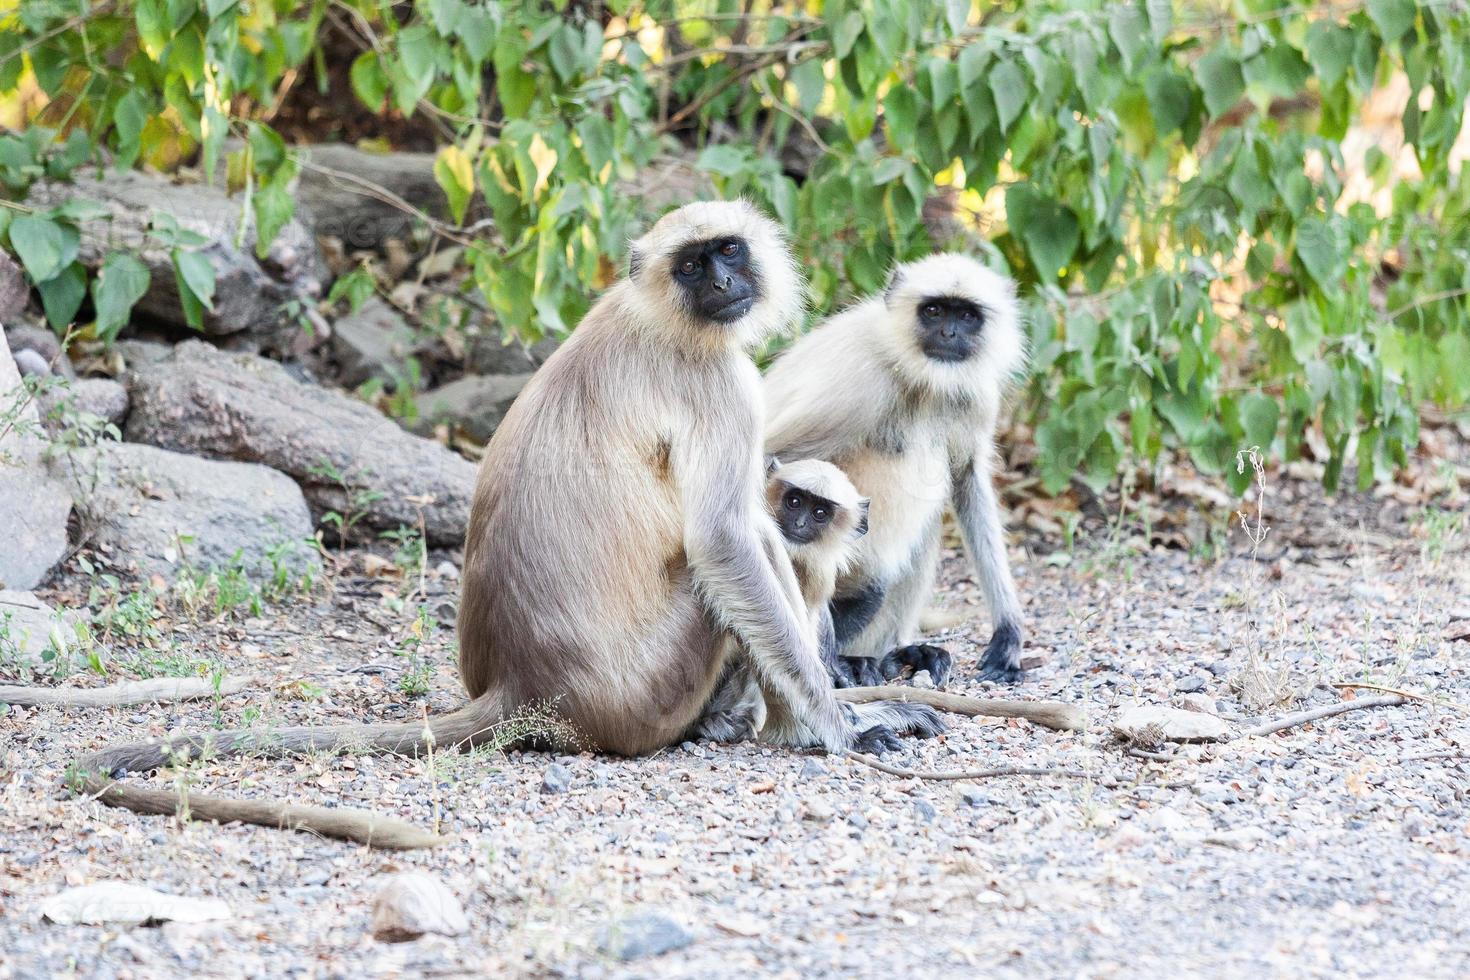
{"type": "Point", "coordinates": [1411, 695]}
{"type": "Point", "coordinates": [1057, 715]}
{"type": "Point", "coordinates": [1302, 717]}
{"type": "Point", "coordinates": [953, 774]}
{"type": "Point", "coordinates": [1434, 757]}
{"type": "Point", "coordinates": [159, 690]}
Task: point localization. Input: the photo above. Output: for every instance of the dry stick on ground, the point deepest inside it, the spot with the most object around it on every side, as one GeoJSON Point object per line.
{"type": "Point", "coordinates": [343, 823]}
{"type": "Point", "coordinates": [160, 690]}
{"type": "Point", "coordinates": [1302, 717]}
{"type": "Point", "coordinates": [951, 774]}
{"type": "Point", "coordinates": [1411, 695]}
{"type": "Point", "coordinates": [1057, 715]}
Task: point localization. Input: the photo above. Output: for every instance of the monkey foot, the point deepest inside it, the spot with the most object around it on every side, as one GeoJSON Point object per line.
{"type": "Point", "coordinates": [1002, 660]}
{"type": "Point", "coordinates": [915, 657]}
{"type": "Point", "coordinates": [856, 672]}
{"type": "Point", "coordinates": [918, 720]}
{"type": "Point", "coordinates": [876, 740]}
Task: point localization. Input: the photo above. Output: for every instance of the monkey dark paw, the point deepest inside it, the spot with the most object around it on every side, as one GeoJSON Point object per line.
{"type": "Point", "coordinates": [1002, 660]}
{"type": "Point", "coordinates": [876, 740]}
{"type": "Point", "coordinates": [856, 672]}
{"type": "Point", "coordinates": [918, 720]}
{"type": "Point", "coordinates": [916, 657]}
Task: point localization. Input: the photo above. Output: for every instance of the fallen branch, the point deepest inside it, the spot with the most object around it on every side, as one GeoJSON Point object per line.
{"type": "Point", "coordinates": [1411, 695]}
{"type": "Point", "coordinates": [1302, 717]}
{"type": "Point", "coordinates": [951, 774]}
{"type": "Point", "coordinates": [1056, 715]}
{"type": "Point", "coordinates": [362, 826]}
{"type": "Point", "coordinates": [161, 690]}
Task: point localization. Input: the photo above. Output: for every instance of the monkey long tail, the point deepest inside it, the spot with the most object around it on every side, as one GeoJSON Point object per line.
{"type": "Point", "coordinates": [98, 773]}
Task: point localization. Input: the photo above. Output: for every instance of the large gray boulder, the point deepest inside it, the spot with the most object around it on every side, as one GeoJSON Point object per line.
{"type": "Point", "coordinates": [33, 507]}
{"type": "Point", "coordinates": [345, 455]}
{"type": "Point", "coordinates": [86, 403]}
{"type": "Point", "coordinates": [250, 294]}
{"type": "Point", "coordinates": [374, 342]}
{"type": "Point", "coordinates": [339, 192]}
{"type": "Point", "coordinates": [28, 627]}
{"type": "Point", "coordinates": [160, 512]}
{"type": "Point", "coordinates": [475, 404]}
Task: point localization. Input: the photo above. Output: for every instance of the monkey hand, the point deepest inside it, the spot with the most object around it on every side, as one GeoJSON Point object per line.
{"type": "Point", "coordinates": [916, 657]}
{"type": "Point", "coordinates": [855, 672]}
{"type": "Point", "coordinates": [875, 741]}
{"type": "Point", "coordinates": [1002, 660]}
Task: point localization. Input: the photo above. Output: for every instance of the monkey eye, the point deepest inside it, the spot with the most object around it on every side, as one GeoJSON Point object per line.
{"type": "Point", "coordinates": [967, 315]}
{"type": "Point", "coordinates": [821, 514]}
{"type": "Point", "coordinates": [729, 249]}
{"type": "Point", "coordinates": [930, 310]}
{"type": "Point", "coordinates": [793, 502]}
{"type": "Point", "coordinates": [689, 268]}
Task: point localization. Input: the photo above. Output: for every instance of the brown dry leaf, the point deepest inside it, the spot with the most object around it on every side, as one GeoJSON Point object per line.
{"type": "Point", "coordinates": [375, 566]}
{"type": "Point", "coordinates": [765, 786]}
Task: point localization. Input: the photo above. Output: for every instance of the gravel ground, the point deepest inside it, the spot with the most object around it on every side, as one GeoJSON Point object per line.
{"type": "Point", "coordinates": [1325, 850]}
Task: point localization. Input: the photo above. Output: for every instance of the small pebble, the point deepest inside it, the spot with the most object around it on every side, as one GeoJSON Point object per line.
{"type": "Point", "coordinates": [556, 779]}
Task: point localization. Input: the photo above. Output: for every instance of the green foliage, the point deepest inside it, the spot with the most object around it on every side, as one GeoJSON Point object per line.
{"type": "Point", "coordinates": [1166, 181]}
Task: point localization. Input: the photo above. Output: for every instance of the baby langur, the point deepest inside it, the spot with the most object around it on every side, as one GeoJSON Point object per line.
{"type": "Point", "coordinates": [902, 392]}
{"type": "Point", "coordinates": [820, 516]}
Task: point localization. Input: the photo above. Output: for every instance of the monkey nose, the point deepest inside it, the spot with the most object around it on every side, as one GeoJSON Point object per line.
{"type": "Point", "coordinates": [721, 283]}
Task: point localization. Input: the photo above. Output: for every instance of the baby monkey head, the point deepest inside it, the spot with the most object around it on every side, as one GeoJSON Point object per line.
{"type": "Point", "coordinates": [814, 503]}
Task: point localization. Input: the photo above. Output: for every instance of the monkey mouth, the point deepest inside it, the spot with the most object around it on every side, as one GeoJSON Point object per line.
{"type": "Point", "coordinates": [732, 310]}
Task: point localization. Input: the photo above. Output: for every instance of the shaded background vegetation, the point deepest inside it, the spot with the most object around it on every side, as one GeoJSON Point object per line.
{"type": "Point", "coordinates": [1234, 223]}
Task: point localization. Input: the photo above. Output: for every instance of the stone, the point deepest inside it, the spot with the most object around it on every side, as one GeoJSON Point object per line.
{"type": "Point", "coordinates": [14, 290]}
{"type": "Point", "coordinates": [972, 795]}
{"type": "Point", "coordinates": [346, 456]}
{"type": "Point", "coordinates": [84, 400]}
{"type": "Point", "coordinates": [1189, 685]}
{"type": "Point", "coordinates": [250, 294]}
{"type": "Point", "coordinates": [1148, 723]}
{"type": "Point", "coordinates": [413, 903]}
{"type": "Point", "coordinates": [161, 512]}
{"type": "Point", "coordinates": [925, 810]}
{"type": "Point", "coordinates": [474, 404]}
{"type": "Point", "coordinates": [556, 779]}
{"type": "Point", "coordinates": [1202, 703]}
{"type": "Point", "coordinates": [31, 364]}
{"type": "Point", "coordinates": [812, 768]}
{"type": "Point", "coordinates": [108, 902]}
{"type": "Point", "coordinates": [371, 343]}
{"type": "Point", "coordinates": [923, 680]}
{"type": "Point", "coordinates": [490, 354]}
{"type": "Point", "coordinates": [642, 934]}
{"type": "Point", "coordinates": [28, 626]}
{"type": "Point", "coordinates": [43, 344]}
{"type": "Point", "coordinates": [34, 507]}
{"type": "Point", "coordinates": [334, 201]}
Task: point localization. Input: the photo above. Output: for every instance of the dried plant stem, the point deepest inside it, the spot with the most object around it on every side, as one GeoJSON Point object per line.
{"type": "Point", "coordinates": [1303, 717]}
{"type": "Point", "coordinates": [954, 774]}
{"type": "Point", "coordinates": [159, 690]}
{"type": "Point", "coordinates": [1057, 715]}
{"type": "Point", "coordinates": [1411, 695]}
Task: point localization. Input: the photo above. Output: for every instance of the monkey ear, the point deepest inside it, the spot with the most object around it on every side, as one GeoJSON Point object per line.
{"type": "Point", "coordinates": [772, 465]}
{"type": "Point", "coordinates": [895, 279]}
{"type": "Point", "coordinates": [635, 261]}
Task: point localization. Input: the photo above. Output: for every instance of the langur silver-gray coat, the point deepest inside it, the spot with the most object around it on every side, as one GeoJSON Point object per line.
{"type": "Point", "coordinates": [618, 537]}
{"type": "Point", "coordinates": [903, 391]}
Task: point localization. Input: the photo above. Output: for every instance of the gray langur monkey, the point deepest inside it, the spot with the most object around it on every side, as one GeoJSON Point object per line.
{"type": "Point", "coordinates": [820, 516]}
{"type": "Point", "coordinates": [902, 391]}
{"type": "Point", "coordinates": [617, 538]}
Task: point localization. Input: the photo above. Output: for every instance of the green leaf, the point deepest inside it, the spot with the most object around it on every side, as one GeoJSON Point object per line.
{"type": "Point", "coordinates": [1320, 247]}
{"type": "Point", "coordinates": [901, 116]}
{"type": "Point", "coordinates": [956, 13]}
{"type": "Point", "coordinates": [513, 84]}
{"type": "Point", "coordinates": [1393, 17]}
{"type": "Point", "coordinates": [1009, 88]}
{"type": "Point", "coordinates": [120, 283]}
{"type": "Point", "coordinates": [1049, 230]}
{"type": "Point", "coordinates": [1170, 96]}
{"type": "Point", "coordinates": [1129, 31]}
{"type": "Point", "coordinates": [1259, 415]}
{"type": "Point", "coordinates": [62, 295]}
{"type": "Point", "coordinates": [476, 28]}
{"type": "Point", "coordinates": [129, 117]}
{"type": "Point", "coordinates": [890, 169]}
{"type": "Point", "coordinates": [196, 275]}
{"type": "Point", "coordinates": [1330, 48]}
{"type": "Point", "coordinates": [45, 247]}
{"type": "Point", "coordinates": [810, 84]}
{"type": "Point", "coordinates": [369, 81]}
{"type": "Point", "coordinates": [1219, 78]}
{"type": "Point", "coordinates": [847, 34]}
{"type": "Point", "coordinates": [1281, 71]}
{"type": "Point", "coordinates": [456, 177]}
{"type": "Point", "coordinates": [418, 52]}
{"type": "Point", "coordinates": [273, 206]}
{"type": "Point", "coordinates": [722, 159]}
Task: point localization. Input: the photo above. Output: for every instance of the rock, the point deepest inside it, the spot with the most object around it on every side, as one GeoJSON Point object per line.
{"type": "Point", "coordinates": [235, 406]}
{"type": "Point", "coordinates": [84, 400]}
{"type": "Point", "coordinates": [136, 353]}
{"type": "Point", "coordinates": [333, 203]}
{"type": "Point", "coordinates": [44, 344]}
{"type": "Point", "coordinates": [119, 902]}
{"type": "Point", "coordinates": [923, 680]}
{"type": "Point", "coordinates": [14, 290]}
{"type": "Point", "coordinates": [28, 626]}
{"type": "Point", "coordinates": [557, 779]}
{"type": "Point", "coordinates": [819, 810]}
{"type": "Point", "coordinates": [140, 501]}
{"type": "Point", "coordinates": [642, 934]}
{"type": "Point", "coordinates": [474, 404]}
{"type": "Point", "coordinates": [1190, 684]}
{"type": "Point", "coordinates": [490, 354]}
{"type": "Point", "coordinates": [972, 795]}
{"type": "Point", "coordinates": [249, 294]}
{"type": "Point", "coordinates": [925, 810]}
{"type": "Point", "coordinates": [31, 364]}
{"type": "Point", "coordinates": [812, 768]}
{"type": "Point", "coordinates": [371, 343]}
{"type": "Point", "coordinates": [34, 507]}
{"type": "Point", "coordinates": [1202, 703]}
{"type": "Point", "coordinates": [1149, 723]}
{"type": "Point", "coordinates": [414, 903]}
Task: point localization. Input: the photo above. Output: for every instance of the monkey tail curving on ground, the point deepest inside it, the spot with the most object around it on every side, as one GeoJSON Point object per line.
{"type": "Point", "coordinates": [98, 774]}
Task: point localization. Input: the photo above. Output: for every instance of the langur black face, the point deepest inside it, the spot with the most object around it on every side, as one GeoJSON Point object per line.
{"type": "Point", "coordinates": [718, 279]}
{"type": "Point", "coordinates": [949, 328]}
{"type": "Point", "coordinates": [804, 517]}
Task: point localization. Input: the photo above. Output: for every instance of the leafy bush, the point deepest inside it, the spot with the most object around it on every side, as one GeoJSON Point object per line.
{"type": "Point", "coordinates": [1167, 180]}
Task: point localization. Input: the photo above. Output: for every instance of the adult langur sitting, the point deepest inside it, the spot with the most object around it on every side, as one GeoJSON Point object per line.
{"type": "Point", "coordinates": [618, 535]}
{"type": "Point", "coordinates": [902, 392]}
